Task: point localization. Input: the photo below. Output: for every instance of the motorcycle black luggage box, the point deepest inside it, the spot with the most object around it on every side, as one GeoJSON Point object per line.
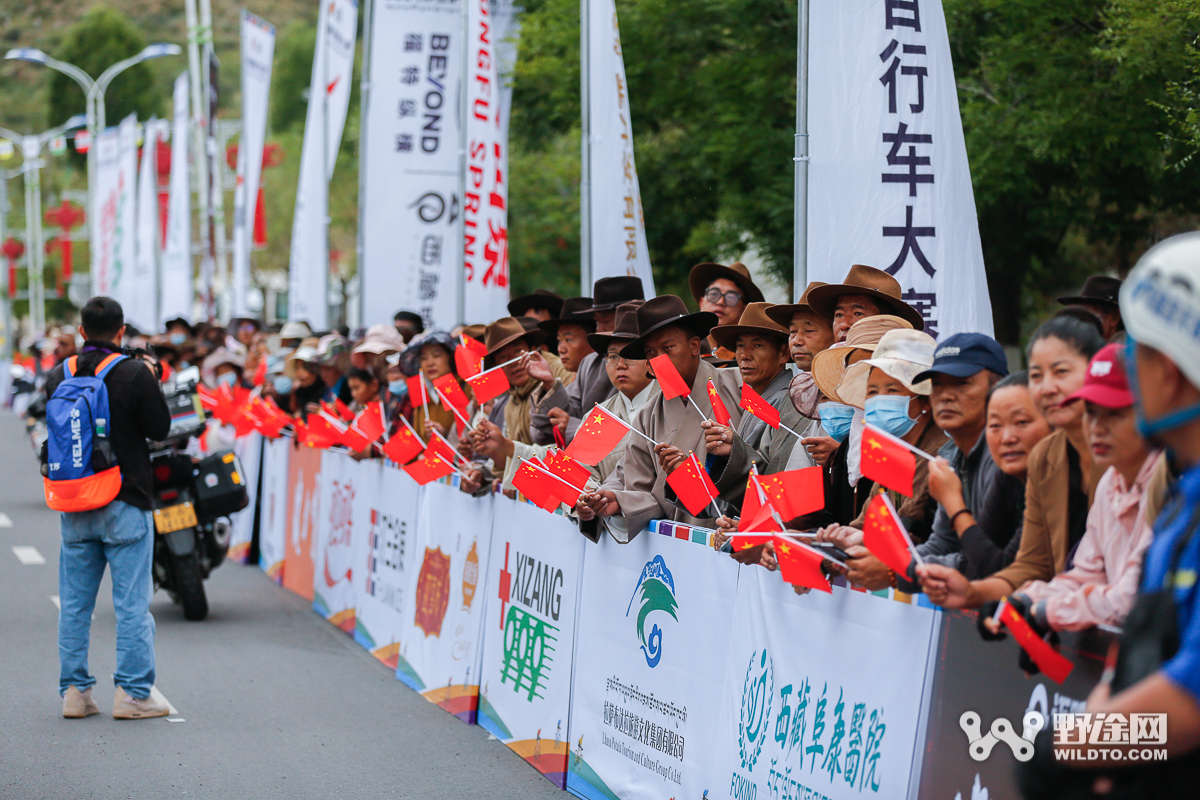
{"type": "Point", "coordinates": [220, 486]}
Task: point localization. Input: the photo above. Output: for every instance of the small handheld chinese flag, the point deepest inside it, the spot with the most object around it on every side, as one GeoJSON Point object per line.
{"type": "Point", "coordinates": [473, 345]}
{"type": "Point", "coordinates": [800, 565]}
{"type": "Point", "coordinates": [692, 485]}
{"type": "Point", "coordinates": [370, 421]}
{"type": "Point", "coordinates": [669, 379]}
{"type": "Point", "coordinates": [260, 373]}
{"type": "Point", "coordinates": [452, 393]}
{"type": "Point", "coordinates": [438, 444]}
{"type": "Point", "coordinates": [342, 409]}
{"type": "Point", "coordinates": [720, 413]}
{"type": "Point", "coordinates": [536, 485]}
{"type": "Point", "coordinates": [428, 468]}
{"type": "Point", "coordinates": [599, 434]}
{"type": "Point", "coordinates": [1056, 666]}
{"type": "Point", "coordinates": [885, 460]}
{"type": "Point", "coordinates": [404, 446]}
{"type": "Point", "coordinates": [753, 402]}
{"type": "Point", "coordinates": [489, 385]}
{"type": "Point", "coordinates": [793, 493]}
{"type": "Point", "coordinates": [418, 392]}
{"type": "Point", "coordinates": [884, 535]}
{"type": "Point", "coordinates": [567, 468]}
{"type": "Point", "coordinates": [468, 357]}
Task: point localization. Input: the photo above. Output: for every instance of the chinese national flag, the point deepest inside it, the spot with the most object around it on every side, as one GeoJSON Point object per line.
{"type": "Point", "coordinates": [800, 565]}
{"type": "Point", "coordinates": [570, 471]}
{"type": "Point", "coordinates": [753, 402]}
{"type": "Point", "coordinates": [342, 409]}
{"type": "Point", "coordinates": [489, 385]}
{"type": "Point", "coordinates": [720, 413]}
{"type": "Point", "coordinates": [600, 432]}
{"type": "Point", "coordinates": [884, 535]}
{"type": "Point", "coordinates": [370, 421]}
{"type": "Point", "coordinates": [1056, 666]}
{"type": "Point", "coordinates": [354, 439]}
{"type": "Point", "coordinates": [260, 373]}
{"type": "Point", "coordinates": [300, 429]}
{"type": "Point", "coordinates": [793, 493]}
{"type": "Point", "coordinates": [451, 392]}
{"type": "Point", "coordinates": [404, 446]}
{"type": "Point", "coordinates": [761, 521]}
{"type": "Point", "coordinates": [418, 392]}
{"type": "Point", "coordinates": [473, 345]}
{"type": "Point", "coordinates": [468, 358]}
{"type": "Point", "coordinates": [438, 444]}
{"type": "Point", "coordinates": [669, 379]}
{"type": "Point", "coordinates": [428, 468]}
{"type": "Point", "coordinates": [886, 461]}
{"type": "Point", "coordinates": [692, 485]}
{"type": "Point", "coordinates": [320, 433]}
{"type": "Point", "coordinates": [537, 486]}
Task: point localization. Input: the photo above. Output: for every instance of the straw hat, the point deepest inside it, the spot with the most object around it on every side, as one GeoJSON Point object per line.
{"type": "Point", "coordinates": [302, 355]}
{"type": "Point", "coordinates": [868, 281]}
{"type": "Point", "coordinates": [754, 320]}
{"type": "Point", "coordinates": [829, 366]}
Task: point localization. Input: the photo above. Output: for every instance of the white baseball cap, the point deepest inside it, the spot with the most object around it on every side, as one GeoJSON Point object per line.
{"type": "Point", "coordinates": [1160, 301]}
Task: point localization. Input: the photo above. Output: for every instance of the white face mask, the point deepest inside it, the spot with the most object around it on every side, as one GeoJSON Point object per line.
{"type": "Point", "coordinates": [227, 378]}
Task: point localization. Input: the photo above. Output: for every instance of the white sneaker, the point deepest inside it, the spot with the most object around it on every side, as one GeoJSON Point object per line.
{"type": "Point", "coordinates": [126, 707]}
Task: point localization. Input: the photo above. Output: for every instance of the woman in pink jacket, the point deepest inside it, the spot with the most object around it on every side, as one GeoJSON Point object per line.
{"type": "Point", "coordinates": [1099, 587]}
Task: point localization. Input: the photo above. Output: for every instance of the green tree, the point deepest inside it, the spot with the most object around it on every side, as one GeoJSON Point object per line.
{"type": "Point", "coordinates": [292, 74]}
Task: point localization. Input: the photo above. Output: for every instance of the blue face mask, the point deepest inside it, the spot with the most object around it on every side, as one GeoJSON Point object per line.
{"type": "Point", "coordinates": [1151, 428]}
{"type": "Point", "coordinates": [176, 339]}
{"type": "Point", "coordinates": [228, 379]}
{"type": "Point", "coordinates": [398, 388]}
{"type": "Point", "coordinates": [836, 419]}
{"type": "Point", "coordinates": [889, 413]}
{"type": "Point", "coordinates": [282, 384]}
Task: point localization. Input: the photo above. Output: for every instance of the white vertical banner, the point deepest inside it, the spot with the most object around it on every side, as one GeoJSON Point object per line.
{"type": "Point", "coordinates": [258, 51]}
{"type": "Point", "coordinates": [618, 230]}
{"type": "Point", "coordinates": [142, 296]}
{"type": "Point", "coordinates": [272, 524]}
{"type": "Point", "coordinates": [889, 183]}
{"type": "Point", "coordinates": [175, 289]}
{"type": "Point", "coordinates": [485, 210]}
{"type": "Point", "coordinates": [328, 101]}
{"type": "Point", "coordinates": [104, 211]}
{"type": "Point", "coordinates": [409, 167]}
{"type": "Point", "coordinates": [342, 479]}
{"type": "Point", "coordinates": [114, 207]}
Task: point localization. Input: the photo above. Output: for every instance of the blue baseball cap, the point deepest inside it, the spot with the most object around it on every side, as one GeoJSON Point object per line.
{"type": "Point", "coordinates": [964, 354]}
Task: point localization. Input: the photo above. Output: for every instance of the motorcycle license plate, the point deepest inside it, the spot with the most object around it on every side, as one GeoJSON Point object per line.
{"type": "Point", "coordinates": [174, 518]}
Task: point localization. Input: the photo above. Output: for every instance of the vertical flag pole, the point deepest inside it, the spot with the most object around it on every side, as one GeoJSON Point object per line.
{"type": "Point", "coordinates": [460, 281]}
{"type": "Point", "coordinates": [363, 102]}
{"type": "Point", "coordinates": [199, 145]}
{"type": "Point", "coordinates": [585, 154]}
{"type": "Point", "coordinates": [326, 166]}
{"type": "Point", "coordinates": [800, 160]}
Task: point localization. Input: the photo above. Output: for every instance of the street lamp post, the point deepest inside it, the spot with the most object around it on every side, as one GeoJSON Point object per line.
{"type": "Point", "coordinates": [93, 92]}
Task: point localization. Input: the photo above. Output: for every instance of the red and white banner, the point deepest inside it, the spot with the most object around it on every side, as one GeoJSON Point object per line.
{"type": "Point", "coordinates": [258, 51]}
{"type": "Point", "coordinates": [176, 285]}
{"type": "Point", "coordinates": [328, 100]}
{"type": "Point", "coordinates": [618, 231]}
{"type": "Point", "coordinates": [410, 163]}
{"type": "Point", "coordinates": [889, 184]}
{"type": "Point", "coordinates": [340, 520]}
{"type": "Point", "coordinates": [142, 296]}
{"type": "Point", "coordinates": [114, 206]}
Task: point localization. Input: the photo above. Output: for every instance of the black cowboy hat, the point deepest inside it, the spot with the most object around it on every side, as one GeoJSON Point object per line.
{"type": "Point", "coordinates": [661, 312]}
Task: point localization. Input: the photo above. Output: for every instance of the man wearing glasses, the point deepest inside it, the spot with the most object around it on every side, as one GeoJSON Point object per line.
{"type": "Point", "coordinates": [724, 291]}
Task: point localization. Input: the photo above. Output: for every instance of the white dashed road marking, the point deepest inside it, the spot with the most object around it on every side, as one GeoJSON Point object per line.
{"type": "Point", "coordinates": [28, 555]}
{"type": "Point", "coordinates": [5, 520]}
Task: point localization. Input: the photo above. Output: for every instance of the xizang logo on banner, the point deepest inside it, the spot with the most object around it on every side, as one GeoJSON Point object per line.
{"type": "Point", "coordinates": [757, 690]}
{"type": "Point", "coordinates": [528, 637]}
{"type": "Point", "coordinates": [657, 587]}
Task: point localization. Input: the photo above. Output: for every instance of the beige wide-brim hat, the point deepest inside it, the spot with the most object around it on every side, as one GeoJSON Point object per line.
{"type": "Point", "coordinates": [829, 366]}
{"type": "Point", "coordinates": [303, 355]}
{"type": "Point", "coordinates": [904, 355]}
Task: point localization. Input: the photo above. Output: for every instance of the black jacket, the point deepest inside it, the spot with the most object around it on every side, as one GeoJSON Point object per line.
{"type": "Point", "coordinates": [137, 410]}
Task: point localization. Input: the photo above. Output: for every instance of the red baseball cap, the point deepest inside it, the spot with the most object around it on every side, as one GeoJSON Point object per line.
{"type": "Point", "coordinates": [1106, 384]}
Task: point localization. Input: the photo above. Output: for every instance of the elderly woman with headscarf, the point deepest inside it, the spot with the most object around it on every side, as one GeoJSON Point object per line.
{"type": "Point", "coordinates": [430, 355]}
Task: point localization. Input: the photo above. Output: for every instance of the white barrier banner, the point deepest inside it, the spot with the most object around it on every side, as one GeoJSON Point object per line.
{"type": "Point", "coordinates": [328, 100]}
{"type": "Point", "coordinates": [655, 618]}
{"type": "Point", "coordinates": [439, 644]}
{"type": "Point", "coordinates": [532, 583]}
{"type": "Point", "coordinates": [410, 211]}
{"type": "Point", "coordinates": [384, 563]}
{"type": "Point", "coordinates": [618, 230]}
{"type": "Point", "coordinates": [889, 183]}
{"type": "Point", "coordinates": [340, 520]}
{"type": "Point", "coordinates": [142, 309]}
{"type": "Point", "coordinates": [272, 526]}
{"type": "Point", "coordinates": [258, 51]}
{"type": "Point", "coordinates": [249, 450]}
{"type": "Point", "coordinates": [176, 291]}
{"type": "Point", "coordinates": [822, 693]}
{"type": "Point", "coordinates": [113, 207]}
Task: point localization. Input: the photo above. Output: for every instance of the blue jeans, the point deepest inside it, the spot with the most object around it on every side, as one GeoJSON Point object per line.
{"type": "Point", "coordinates": [121, 536]}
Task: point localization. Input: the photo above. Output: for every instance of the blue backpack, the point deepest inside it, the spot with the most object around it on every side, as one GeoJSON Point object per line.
{"type": "Point", "coordinates": [81, 471]}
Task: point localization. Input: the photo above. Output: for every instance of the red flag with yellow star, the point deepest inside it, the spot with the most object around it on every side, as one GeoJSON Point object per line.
{"type": "Point", "coordinates": [885, 460]}
{"type": "Point", "coordinates": [428, 468]}
{"type": "Point", "coordinates": [370, 421]}
{"type": "Point", "coordinates": [450, 390]}
{"type": "Point", "coordinates": [669, 379]}
{"type": "Point", "coordinates": [599, 434]}
{"type": "Point", "coordinates": [692, 485]}
{"type": "Point", "coordinates": [469, 356]}
{"type": "Point", "coordinates": [720, 413]}
{"type": "Point", "coordinates": [884, 535]}
{"type": "Point", "coordinates": [800, 565]}
{"type": "Point", "coordinates": [569, 470]}
{"type": "Point", "coordinates": [1054, 664]}
{"type": "Point", "coordinates": [753, 402]}
{"type": "Point", "coordinates": [536, 485]}
{"type": "Point", "coordinates": [489, 385]}
{"type": "Point", "coordinates": [404, 446]}
{"type": "Point", "coordinates": [793, 493]}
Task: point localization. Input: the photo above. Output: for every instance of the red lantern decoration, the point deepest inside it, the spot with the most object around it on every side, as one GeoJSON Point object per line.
{"type": "Point", "coordinates": [65, 216]}
{"type": "Point", "coordinates": [12, 249]}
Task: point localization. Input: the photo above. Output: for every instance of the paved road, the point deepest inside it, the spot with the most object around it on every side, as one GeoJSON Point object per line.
{"type": "Point", "coordinates": [275, 702]}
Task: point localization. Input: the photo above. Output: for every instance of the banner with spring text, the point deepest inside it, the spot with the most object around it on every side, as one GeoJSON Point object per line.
{"type": "Point", "coordinates": [258, 51]}
{"type": "Point", "coordinates": [249, 450]}
{"type": "Point", "coordinates": [273, 507]}
{"type": "Point", "coordinates": [176, 291]}
{"type": "Point", "coordinates": [655, 618]}
{"type": "Point", "coordinates": [385, 561]}
{"type": "Point", "coordinates": [532, 584]}
{"type": "Point", "coordinates": [409, 169]}
{"type": "Point", "coordinates": [889, 184]}
{"type": "Point", "coordinates": [340, 521]}
{"type": "Point", "coordinates": [439, 644]}
{"type": "Point", "coordinates": [823, 693]}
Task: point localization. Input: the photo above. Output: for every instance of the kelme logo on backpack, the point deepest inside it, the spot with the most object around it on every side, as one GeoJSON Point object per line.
{"type": "Point", "coordinates": [81, 471]}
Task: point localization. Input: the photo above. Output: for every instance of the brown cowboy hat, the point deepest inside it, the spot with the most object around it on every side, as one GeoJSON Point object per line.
{"type": "Point", "coordinates": [507, 330]}
{"type": "Point", "coordinates": [702, 276]}
{"type": "Point", "coordinates": [753, 320]}
{"type": "Point", "coordinates": [624, 330]}
{"type": "Point", "coordinates": [575, 311]}
{"type": "Point", "coordinates": [662, 311]}
{"type": "Point", "coordinates": [612, 292]}
{"type": "Point", "coordinates": [1101, 290]}
{"type": "Point", "coordinates": [541, 298]}
{"type": "Point", "coordinates": [783, 313]}
{"type": "Point", "coordinates": [864, 280]}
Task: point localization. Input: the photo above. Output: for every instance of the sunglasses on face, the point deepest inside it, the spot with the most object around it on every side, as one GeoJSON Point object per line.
{"type": "Point", "coordinates": [715, 295]}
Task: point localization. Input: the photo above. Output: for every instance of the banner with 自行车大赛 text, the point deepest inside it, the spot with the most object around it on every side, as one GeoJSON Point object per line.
{"type": "Point", "coordinates": [339, 521]}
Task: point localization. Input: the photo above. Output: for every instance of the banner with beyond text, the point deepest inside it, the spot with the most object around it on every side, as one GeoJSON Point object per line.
{"type": "Point", "coordinates": [889, 183]}
{"type": "Point", "coordinates": [532, 584]}
{"type": "Point", "coordinates": [409, 170]}
{"type": "Point", "coordinates": [328, 101]}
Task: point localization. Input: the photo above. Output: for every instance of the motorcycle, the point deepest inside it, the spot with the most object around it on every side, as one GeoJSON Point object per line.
{"type": "Point", "coordinates": [192, 501]}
